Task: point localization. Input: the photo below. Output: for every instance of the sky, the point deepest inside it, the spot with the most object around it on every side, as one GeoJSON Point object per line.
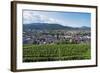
{"type": "Point", "coordinates": [73, 19]}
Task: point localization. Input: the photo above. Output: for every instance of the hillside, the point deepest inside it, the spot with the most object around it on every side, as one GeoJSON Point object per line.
{"type": "Point", "coordinates": [49, 26]}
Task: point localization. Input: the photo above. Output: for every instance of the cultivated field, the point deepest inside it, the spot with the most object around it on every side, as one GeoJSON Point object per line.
{"type": "Point", "coordinates": [55, 52]}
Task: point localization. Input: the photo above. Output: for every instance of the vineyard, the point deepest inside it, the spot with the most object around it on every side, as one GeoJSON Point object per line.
{"type": "Point", "coordinates": [54, 52]}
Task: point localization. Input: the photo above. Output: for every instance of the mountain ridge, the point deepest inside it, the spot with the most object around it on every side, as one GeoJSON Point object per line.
{"type": "Point", "coordinates": [52, 26]}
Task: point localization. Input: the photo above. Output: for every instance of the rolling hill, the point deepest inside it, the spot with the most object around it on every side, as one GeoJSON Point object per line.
{"type": "Point", "coordinates": [49, 26]}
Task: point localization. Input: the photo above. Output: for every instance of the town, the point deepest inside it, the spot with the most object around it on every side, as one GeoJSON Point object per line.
{"type": "Point", "coordinates": [56, 36]}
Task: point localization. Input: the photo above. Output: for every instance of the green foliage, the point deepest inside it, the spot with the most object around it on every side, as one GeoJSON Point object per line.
{"type": "Point", "coordinates": [53, 52]}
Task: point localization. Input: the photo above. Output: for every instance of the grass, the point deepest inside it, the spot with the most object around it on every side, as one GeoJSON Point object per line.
{"type": "Point", "coordinates": [54, 52]}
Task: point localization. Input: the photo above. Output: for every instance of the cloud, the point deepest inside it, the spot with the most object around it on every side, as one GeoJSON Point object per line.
{"type": "Point", "coordinates": [35, 17]}
{"type": "Point", "coordinates": [30, 17]}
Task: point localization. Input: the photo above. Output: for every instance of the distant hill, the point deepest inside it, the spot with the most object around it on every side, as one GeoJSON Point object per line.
{"type": "Point", "coordinates": [49, 26]}
{"type": "Point", "coordinates": [85, 28]}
